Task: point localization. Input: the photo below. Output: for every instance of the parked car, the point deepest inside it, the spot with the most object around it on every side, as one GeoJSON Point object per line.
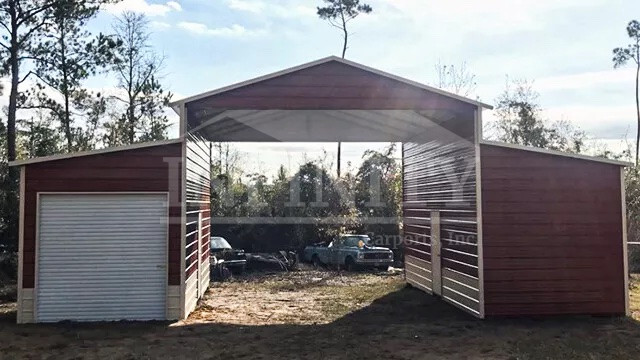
{"type": "Point", "coordinates": [224, 256]}
{"type": "Point", "coordinates": [350, 251]}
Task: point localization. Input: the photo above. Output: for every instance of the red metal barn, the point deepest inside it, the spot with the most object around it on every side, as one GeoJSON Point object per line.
{"type": "Point", "coordinates": [123, 233]}
{"type": "Point", "coordinates": [101, 235]}
{"type": "Point", "coordinates": [553, 232]}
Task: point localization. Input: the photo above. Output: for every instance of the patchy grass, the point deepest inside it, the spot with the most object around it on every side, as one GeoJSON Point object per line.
{"type": "Point", "coordinates": [634, 296]}
{"type": "Point", "coordinates": [328, 315]}
{"type": "Point", "coordinates": [306, 297]}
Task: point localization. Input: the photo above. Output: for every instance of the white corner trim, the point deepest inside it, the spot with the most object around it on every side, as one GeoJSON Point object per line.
{"type": "Point", "coordinates": [20, 318]}
{"type": "Point", "coordinates": [555, 152]}
{"type": "Point", "coordinates": [183, 224]}
{"type": "Point", "coordinates": [176, 104]}
{"type": "Point", "coordinates": [95, 152]}
{"type": "Point", "coordinates": [480, 242]}
{"type": "Point", "coordinates": [625, 246]}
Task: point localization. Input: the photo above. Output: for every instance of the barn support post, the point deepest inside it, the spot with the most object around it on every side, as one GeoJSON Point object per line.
{"type": "Point", "coordinates": [436, 253]}
{"type": "Point", "coordinates": [183, 215]}
{"type": "Point", "coordinates": [21, 306]}
{"type": "Point", "coordinates": [477, 140]}
{"type": "Point", "coordinates": [625, 246]}
{"type": "Point", "coordinates": [199, 286]}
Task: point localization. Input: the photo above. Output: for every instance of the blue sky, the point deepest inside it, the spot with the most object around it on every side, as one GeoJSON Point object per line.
{"type": "Point", "coordinates": [564, 46]}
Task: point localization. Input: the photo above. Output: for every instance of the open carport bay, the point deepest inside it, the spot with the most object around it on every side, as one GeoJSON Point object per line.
{"type": "Point", "coordinates": [295, 315]}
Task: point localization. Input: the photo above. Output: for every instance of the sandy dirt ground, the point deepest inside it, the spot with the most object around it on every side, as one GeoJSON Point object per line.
{"type": "Point", "coordinates": [306, 298]}
{"type": "Point", "coordinates": [326, 315]}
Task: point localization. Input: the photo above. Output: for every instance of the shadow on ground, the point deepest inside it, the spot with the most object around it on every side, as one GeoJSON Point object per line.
{"type": "Point", "coordinates": [406, 324]}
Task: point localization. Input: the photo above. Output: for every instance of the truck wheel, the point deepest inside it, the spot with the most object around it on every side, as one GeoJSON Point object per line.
{"type": "Point", "coordinates": [316, 261]}
{"type": "Point", "coordinates": [242, 269]}
{"type": "Point", "coordinates": [349, 264]}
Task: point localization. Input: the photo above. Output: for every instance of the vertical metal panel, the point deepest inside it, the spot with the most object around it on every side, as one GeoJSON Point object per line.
{"type": "Point", "coordinates": [101, 257]}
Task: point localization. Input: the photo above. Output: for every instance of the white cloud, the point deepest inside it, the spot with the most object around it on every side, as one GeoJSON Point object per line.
{"type": "Point", "coordinates": [586, 80]}
{"type": "Point", "coordinates": [234, 30]}
{"type": "Point", "coordinates": [244, 5]}
{"type": "Point", "coordinates": [598, 121]}
{"type": "Point", "coordinates": [174, 5]}
{"type": "Point", "coordinates": [144, 7]}
{"type": "Point", "coordinates": [276, 8]}
{"type": "Point", "coordinates": [489, 16]}
{"type": "Point", "coordinates": [160, 25]}
{"type": "Point", "coordinates": [601, 121]}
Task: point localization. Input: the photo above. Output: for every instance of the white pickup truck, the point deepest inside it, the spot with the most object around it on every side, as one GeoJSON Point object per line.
{"type": "Point", "coordinates": [350, 251]}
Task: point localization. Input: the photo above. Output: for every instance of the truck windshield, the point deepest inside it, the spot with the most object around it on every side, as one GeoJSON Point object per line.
{"type": "Point", "coordinates": [354, 241]}
{"type": "Point", "coordinates": [219, 243]}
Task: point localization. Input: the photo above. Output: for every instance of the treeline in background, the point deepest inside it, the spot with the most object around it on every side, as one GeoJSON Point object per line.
{"type": "Point", "coordinates": [48, 60]}
{"type": "Point", "coordinates": [49, 57]}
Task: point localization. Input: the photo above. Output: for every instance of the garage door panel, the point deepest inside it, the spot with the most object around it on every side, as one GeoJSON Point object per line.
{"type": "Point", "coordinates": [102, 257]}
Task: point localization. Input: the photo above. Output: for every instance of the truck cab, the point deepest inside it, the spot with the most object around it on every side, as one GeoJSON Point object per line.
{"type": "Point", "coordinates": [350, 251]}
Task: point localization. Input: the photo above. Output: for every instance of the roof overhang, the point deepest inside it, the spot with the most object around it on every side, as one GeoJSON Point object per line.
{"type": "Point", "coordinates": [332, 125]}
{"type": "Point", "coordinates": [556, 153]}
{"type": "Point", "coordinates": [177, 105]}
{"type": "Point", "coordinates": [94, 152]}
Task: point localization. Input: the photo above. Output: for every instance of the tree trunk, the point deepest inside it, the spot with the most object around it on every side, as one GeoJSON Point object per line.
{"type": "Point", "coordinates": [131, 133]}
{"type": "Point", "coordinates": [65, 88]}
{"type": "Point", "coordinates": [346, 34]}
{"type": "Point", "coordinates": [344, 52]}
{"type": "Point", "coordinates": [638, 113]}
{"type": "Point", "coordinates": [15, 81]}
{"type": "Point", "coordinates": [346, 40]}
{"type": "Point", "coordinates": [10, 233]}
{"type": "Point", "coordinates": [339, 157]}
{"type": "Point", "coordinates": [13, 107]}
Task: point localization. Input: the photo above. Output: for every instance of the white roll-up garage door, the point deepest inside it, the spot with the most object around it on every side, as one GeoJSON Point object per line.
{"type": "Point", "coordinates": [101, 257]}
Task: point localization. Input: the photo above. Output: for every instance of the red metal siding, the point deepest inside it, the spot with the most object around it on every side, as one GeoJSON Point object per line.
{"type": "Point", "coordinates": [331, 85]}
{"type": "Point", "coordinates": [552, 234]}
{"type": "Point", "coordinates": [145, 170]}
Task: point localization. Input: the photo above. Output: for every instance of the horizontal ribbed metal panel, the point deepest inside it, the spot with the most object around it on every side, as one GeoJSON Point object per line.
{"type": "Point", "coordinates": [101, 257]}
{"type": "Point", "coordinates": [198, 227]}
{"type": "Point", "coordinates": [418, 273]}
